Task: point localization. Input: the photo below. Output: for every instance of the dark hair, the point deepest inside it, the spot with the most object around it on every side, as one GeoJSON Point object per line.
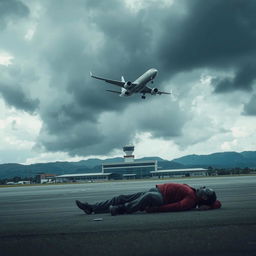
{"type": "Point", "coordinates": [211, 197]}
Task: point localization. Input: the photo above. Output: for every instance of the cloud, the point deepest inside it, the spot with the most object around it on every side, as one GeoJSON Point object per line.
{"type": "Point", "coordinates": [81, 101]}
{"type": "Point", "coordinates": [12, 10]}
{"type": "Point", "coordinates": [213, 34]}
{"type": "Point", "coordinates": [14, 90]}
{"type": "Point", "coordinates": [18, 131]}
{"type": "Point", "coordinates": [112, 129]}
{"type": "Point", "coordinates": [55, 51]}
{"type": "Point", "coordinates": [5, 59]}
{"type": "Point", "coordinates": [250, 107]}
{"type": "Point", "coordinates": [243, 79]}
{"type": "Point", "coordinates": [17, 98]}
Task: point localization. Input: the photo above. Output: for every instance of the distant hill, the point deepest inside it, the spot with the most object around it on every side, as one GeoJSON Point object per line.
{"type": "Point", "coordinates": [150, 158]}
{"type": "Point", "coordinates": [249, 155]}
{"type": "Point", "coordinates": [217, 160]}
{"type": "Point", "coordinates": [91, 163]}
{"type": "Point", "coordinates": [166, 165]}
{"type": "Point", "coordinates": [220, 160]}
{"type": "Point", "coordinates": [12, 170]}
{"type": "Point", "coordinates": [83, 166]}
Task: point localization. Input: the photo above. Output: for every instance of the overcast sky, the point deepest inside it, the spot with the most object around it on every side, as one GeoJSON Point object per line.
{"type": "Point", "coordinates": [51, 110]}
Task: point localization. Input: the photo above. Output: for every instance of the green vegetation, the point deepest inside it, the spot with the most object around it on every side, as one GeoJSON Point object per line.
{"type": "Point", "coordinates": [211, 172]}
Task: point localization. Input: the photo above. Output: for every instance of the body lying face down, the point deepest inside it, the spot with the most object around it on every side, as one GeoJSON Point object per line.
{"type": "Point", "coordinates": [168, 197]}
{"type": "Point", "coordinates": [182, 197]}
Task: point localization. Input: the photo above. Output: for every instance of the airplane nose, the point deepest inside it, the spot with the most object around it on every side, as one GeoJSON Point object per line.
{"type": "Point", "coordinates": [154, 70]}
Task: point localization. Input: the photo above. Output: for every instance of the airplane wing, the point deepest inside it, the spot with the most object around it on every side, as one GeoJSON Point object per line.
{"type": "Point", "coordinates": [113, 91]}
{"type": "Point", "coordinates": [149, 90]}
{"type": "Point", "coordinates": [159, 92]}
{"type": "Point", "coordinates": [146, 90]}
{"type": "Point", "coordinates": [118, 83]}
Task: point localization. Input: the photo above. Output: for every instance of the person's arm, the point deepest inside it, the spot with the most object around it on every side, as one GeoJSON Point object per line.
{"type": "Point", "coordinates": [183, 205]}
{"type": "Point", "coordinates": [215, 205]}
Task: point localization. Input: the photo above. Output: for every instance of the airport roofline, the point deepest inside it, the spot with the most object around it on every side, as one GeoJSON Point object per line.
{"type": "Point", "coordinates": [180, 170]}
{"type": "Point", "coordinates": [134, 162]}
{"type": "Point", "coordinates": [83, 175]}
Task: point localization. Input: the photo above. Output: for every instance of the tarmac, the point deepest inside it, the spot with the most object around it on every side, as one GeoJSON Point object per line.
{"type": "Point", "coordinates": [44, 220]}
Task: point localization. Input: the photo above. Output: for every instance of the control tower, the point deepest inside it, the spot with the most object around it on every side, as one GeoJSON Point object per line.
{"type": "Point", "coordinates": [128, 157]}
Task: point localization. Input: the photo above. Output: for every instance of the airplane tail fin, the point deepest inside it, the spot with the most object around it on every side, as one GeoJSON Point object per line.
{"type": "Point", "coordinates": [122, 79]}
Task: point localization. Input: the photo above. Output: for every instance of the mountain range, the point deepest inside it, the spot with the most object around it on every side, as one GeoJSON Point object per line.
{"type": "Point", "coordinates": [216, 160]}
{"type": "Point", "coordinates": [220, 160]}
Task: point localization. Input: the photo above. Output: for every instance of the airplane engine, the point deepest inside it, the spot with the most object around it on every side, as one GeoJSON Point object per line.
{"type": "Point", "coordinates": [154, 91]}
{"type": "Point", "coordinates": [125, 92]}
{"type": "Point", "coordinates": [127, 85]}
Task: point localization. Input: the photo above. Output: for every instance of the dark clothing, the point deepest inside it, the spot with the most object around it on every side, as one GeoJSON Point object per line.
{"type": "Point", "coordinates": [132, 202]}
{"type": "Point", "coordinates": [179, 197]}
{"type": "Point", "coordinates": [167, 197]}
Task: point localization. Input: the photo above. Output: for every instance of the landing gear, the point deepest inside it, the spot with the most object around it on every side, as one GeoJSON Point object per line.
{"type": "Point", "coordinates": [143, 97]}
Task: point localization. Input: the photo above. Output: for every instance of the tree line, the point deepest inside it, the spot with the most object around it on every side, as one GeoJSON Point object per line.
{"type": "Point", "coordinates": [211, 172]}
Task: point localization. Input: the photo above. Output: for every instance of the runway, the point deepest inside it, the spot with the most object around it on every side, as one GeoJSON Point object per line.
{"type": "Point", "coordinates": [43, 220]}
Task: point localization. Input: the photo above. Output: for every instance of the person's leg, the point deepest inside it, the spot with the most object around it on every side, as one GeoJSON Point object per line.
{"type": "Point", "coordinates": [149, 199]}
{"type": "Point", "coordinates": [84, 207]}
{"type": "Point", "coordinates": [103, 207]}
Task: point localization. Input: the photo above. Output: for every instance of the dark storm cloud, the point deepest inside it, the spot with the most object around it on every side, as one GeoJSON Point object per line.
{"type": "Point", "coordinates": [243, 80]}
{"type": "Point", "coordinates": [162, 122]}
{"type": "Point", "coordinates": [186, 36]}
{"type": "Point", "coordinates": [79, 140]}
{"type": "Point", "coordinates": [16, 97]}
{"type": "Point", "coordinates": [250, 107]}
{"type": "Point", "coordinates": [109, 39]}
{"type": "Point", "coordinates": [74, 119]}
{"type": "Point", "coordinates": [212, 34]}
{"type": "Point", "coordinates": [11, 10]}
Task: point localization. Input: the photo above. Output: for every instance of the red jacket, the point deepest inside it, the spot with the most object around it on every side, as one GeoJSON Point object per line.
{"type": "Point", "coordinates": [179, 197]}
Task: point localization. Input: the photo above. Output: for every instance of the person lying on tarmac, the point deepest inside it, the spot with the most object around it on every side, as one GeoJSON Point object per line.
{"type": "Point", "coordinates": [169, 197]}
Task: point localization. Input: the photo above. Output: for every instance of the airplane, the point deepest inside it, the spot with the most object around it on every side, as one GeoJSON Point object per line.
{"type": "Point", "coordinates": [138, 86]}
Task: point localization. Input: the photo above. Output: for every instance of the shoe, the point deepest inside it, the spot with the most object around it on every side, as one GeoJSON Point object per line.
{"type": "Point", "coordinates": [117, 209]}
{"type": "Point", "coordinates": [84, 206]}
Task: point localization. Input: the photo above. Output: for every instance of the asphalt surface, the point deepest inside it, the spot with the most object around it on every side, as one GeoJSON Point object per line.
{"type": "Point", "coordinates": [43, 220]}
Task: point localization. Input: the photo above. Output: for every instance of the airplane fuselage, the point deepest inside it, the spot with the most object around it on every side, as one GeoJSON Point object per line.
{"type": "Point", "coordinates": [139, 84]}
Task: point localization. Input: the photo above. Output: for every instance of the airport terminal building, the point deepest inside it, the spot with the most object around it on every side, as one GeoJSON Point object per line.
{"type": "Point", "coordinates": [130, 169]}
{"type": "Point", "coordinates": [178, 173]}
